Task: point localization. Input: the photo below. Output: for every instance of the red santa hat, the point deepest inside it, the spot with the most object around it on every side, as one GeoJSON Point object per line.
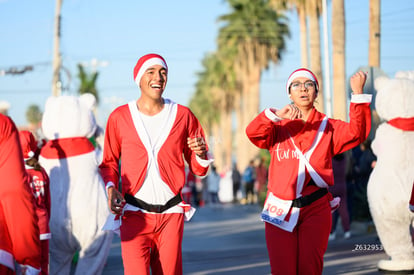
{"type": "Point", "coordinates": [302, 72]}
{"type": "Point", "coordinates": [28, 143]}
{"type": "Point", "coordinates": [145, 62]}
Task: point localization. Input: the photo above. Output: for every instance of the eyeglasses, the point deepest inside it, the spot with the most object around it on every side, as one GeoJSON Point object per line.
{"type": "Point", "coordinates": [298, 85]}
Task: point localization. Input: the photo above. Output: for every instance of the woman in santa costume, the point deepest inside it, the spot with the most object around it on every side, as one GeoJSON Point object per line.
{"type": "Point", "coordinates": [302, 142]}
{"type": "Point", "coordinates": [39, 182]}
{"type": "Point", "coordinates": [145, 142]}
{"type": "Point", "coordinates": [19, 232]}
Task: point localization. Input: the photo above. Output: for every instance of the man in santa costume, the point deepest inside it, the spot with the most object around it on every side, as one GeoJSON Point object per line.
{"type": "Point", "coordinates": [145, 142]}
{"type": "Point", "coordinates": [302, 142]}
{"type": "Point", "coordinates": [19, 232]}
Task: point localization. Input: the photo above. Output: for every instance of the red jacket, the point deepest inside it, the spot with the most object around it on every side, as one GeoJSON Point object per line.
{"type": "Point", "coordinates": [338, 136]}
{"type": "Point", "coordinates": [122, 142]}
{"type": "Point", "coordinates": [19, 232]}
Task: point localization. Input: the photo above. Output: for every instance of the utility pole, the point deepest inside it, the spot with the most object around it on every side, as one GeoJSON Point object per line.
{"type": "Point", "coordinates": [57, 63]}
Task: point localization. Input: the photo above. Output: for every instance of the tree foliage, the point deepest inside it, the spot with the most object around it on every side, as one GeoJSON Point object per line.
{"type": "Point", "coordinates": [87, 82]}
{"type": "Point", "coordinates": [33, 114]}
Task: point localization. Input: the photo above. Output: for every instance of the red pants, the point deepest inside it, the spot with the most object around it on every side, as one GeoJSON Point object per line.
{"type": "Point", "coordinates": [301, 252]}
{"type": "Point", "coordinates": [152, 240]}
{"type": "Point", "coordinates": [44, 261]}
{"type": "Point", "coordinates": [4, 270]}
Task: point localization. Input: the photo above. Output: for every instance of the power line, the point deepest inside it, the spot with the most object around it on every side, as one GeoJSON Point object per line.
{"type": "Point", "coordinates": [15, 70]}
{"type": "Point", "coordinates": [34, 64]}
{"type": "Point", "coordinates": [357, 21]}
{"type": "Point", "coordinates": [397, 12]}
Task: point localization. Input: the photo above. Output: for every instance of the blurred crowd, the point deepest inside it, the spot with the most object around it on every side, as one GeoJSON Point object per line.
{"type": "Point", "coordinates": [351, 172]}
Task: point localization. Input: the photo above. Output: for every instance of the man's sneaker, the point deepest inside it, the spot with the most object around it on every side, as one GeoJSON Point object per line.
{"type": "Point", "coordinates": [332, 236]}
{"type": "Point", "coordinates": [347, 235]}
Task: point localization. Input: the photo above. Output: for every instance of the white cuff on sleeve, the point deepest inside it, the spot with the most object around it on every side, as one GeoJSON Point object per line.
{"type": "Point", "coordinates": [271, 114]}
{"type": "Point", "coordinates": [204, 162]}
{"type": "Point", "coordinates": [30, 270]}
{"type": "Point", "coordinates": [109, 184]}
{"type": "Point", "coordinates": [361, 98]}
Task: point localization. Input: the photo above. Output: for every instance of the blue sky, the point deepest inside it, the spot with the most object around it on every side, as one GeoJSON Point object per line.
{"type": "Point", "coordinates": [183, 31]}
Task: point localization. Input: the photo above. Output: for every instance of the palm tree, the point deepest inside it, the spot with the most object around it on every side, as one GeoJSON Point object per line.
{"type": "Point", "coordinates": [224, 94]}
{"type": "Point", "coordinates": [201, 103]}
{"type": "Point", "coordinates": [257, 34]}
{"type": "Point", "coordinates": [34, 117]}
{"type": "Point", "coordinates": [300, 7]}
{"type": "Point", "coordinates": [374, 54]}
{"type": "Point", "coordinates": [313, 8]}
{"type": "Point", "coordinates": [338, 60]}
{"type": "Point", "coordinates": [216, 88]}
{"type": "Point", "coordinates": [88, 82]}
{"type": "Point", "coordinates": [310, 52]}
{"type": "Point", "coordinates": [374, 33]}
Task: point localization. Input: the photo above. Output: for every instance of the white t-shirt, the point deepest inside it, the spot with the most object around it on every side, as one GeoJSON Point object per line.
{"type": "Point", "coordinates": [154, 190]}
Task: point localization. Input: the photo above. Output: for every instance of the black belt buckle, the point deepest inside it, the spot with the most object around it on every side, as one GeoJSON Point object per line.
{"type": "Point", "coordinates": [308, 199]}
{"type": "Point", "coordinates": [155, 208]}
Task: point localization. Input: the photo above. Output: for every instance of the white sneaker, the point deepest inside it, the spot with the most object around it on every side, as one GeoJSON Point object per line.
{"type": "Point", "coordinates": [396, 265]}
{"type": "Point", "coordinates": [347, 235]}
{"type": "Point", "coordinates": [332, 236]}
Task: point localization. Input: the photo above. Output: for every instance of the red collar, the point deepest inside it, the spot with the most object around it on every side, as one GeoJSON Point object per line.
{"type": "Point", "coordinates": [405, 124]}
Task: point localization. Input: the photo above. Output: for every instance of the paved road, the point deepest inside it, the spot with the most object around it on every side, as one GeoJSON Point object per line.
{"type": "Point", "coordinates": [229, 240]}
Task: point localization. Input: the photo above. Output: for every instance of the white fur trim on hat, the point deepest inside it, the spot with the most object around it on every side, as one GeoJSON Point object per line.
{"type": "Point", "coordinates": [150, 62]}
{"type": "Point", "coordinates": [300, 73]}
{"type": "Point", "coordinates": [28, 155]}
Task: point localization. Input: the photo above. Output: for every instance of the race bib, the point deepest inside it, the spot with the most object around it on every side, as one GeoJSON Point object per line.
{"type": "Point", "coordinates": [275, 209]}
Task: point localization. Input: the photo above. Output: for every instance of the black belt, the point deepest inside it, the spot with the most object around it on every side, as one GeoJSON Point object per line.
{"type": "Point", "coordinates": [308, 199]}
{"type": "Point", "coordinates": [156, 208]}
